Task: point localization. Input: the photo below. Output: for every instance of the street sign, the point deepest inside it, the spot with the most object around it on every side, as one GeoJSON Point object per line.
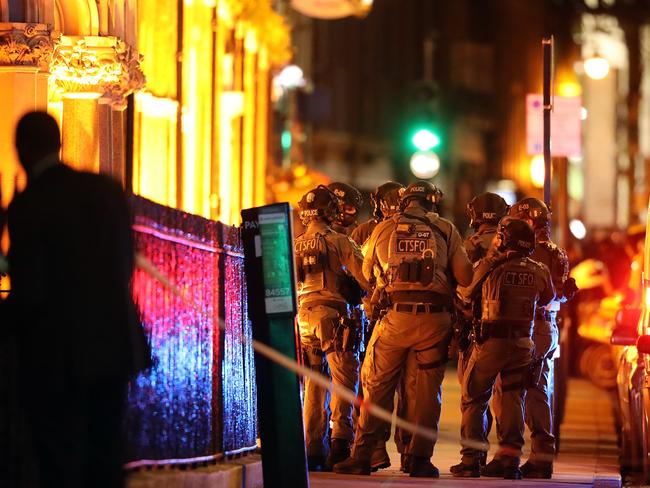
{"type": "Point", "coordinates": [566, 126]}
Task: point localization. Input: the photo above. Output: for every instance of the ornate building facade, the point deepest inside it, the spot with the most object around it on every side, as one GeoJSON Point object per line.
{"type": "Point", "coordinates": [169, 97]}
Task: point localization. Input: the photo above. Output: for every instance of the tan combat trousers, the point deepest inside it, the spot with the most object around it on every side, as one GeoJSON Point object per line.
{"type": "Point", "coordinates": [509, 358]}
{"type": "Point", "coordinates": [539, 408]}
{"type": "Point", "coordinates": [399, 333]}
{"type": "Point", "coordinates": [316, 324]}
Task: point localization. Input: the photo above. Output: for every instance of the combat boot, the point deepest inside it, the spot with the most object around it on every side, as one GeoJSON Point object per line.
{"type": "Point", "coordinates": [352, 466]}
{"type": "Point", "coordinates": [339, 451]}
{"type": "Point", "coordinates": [537, 471]}
{"type": "Point", "coordinates": [379, 459]}
{"type": "Point", "coordinates": [493, 469]}
{"type": "Point", "coordinates": [404, 463]}
{"type": "Point", "coordinates": [421, 467]}
{"type": "Point", "coordinates": [470, 469]}
{"type": "Point", "coordinates": [511, 469]}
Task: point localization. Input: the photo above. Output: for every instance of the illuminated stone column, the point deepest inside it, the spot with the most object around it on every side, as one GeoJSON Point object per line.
{"type": "Point", "coordinates": [93, 75]}
{"type": "Point", "coordinates": [25, 54]}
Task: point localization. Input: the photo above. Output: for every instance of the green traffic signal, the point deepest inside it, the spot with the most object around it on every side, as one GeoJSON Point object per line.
{"type": "Point", "coordinates": [425, 140]}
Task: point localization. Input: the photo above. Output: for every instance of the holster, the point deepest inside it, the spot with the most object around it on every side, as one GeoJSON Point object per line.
{"type": "Point", "coordinates": [348, 334]}
{"type": "Point", "coordinates": [534, 375]}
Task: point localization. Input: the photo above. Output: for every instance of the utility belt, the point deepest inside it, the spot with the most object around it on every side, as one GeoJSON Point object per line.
{"type": "Point", "coordinates": [419, 302]}
{"type": "Point", "coordinates": [505, 330]}
{"type": "Point", "coordinates": [340, 307]}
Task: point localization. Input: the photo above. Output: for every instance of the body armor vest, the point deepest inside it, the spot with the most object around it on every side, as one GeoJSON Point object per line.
{"type": "Point", "coordinates": [312, 264]}
{"type": "Point", "coordinates": [510, 292]}
{"type": "Point", "coordinates": [416, 257]}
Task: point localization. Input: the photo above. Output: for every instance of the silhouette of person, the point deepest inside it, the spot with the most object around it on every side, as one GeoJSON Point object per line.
{"type": "Point", "coordinates": [79, 338]}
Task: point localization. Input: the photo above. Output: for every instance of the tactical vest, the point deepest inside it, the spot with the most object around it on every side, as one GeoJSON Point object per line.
{"type": "Point", "coordinates": [313, 264]}
{"type": "Point", "coordinates": [417, 257]}
{"type": "Point", "coordinates": [510, 292]}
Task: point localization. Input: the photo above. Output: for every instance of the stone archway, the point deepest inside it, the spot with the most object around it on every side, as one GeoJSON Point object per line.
{"type": "Point", "coordinates": [76, 17]}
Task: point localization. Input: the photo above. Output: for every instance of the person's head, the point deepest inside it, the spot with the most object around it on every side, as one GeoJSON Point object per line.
{"type": "Point", "coordinates": [37, 137]}
{"type": "Point", "coordinates": [385, 199]}
{"type": "Point", "coordinates": [534, 211]}
{"type": "Point", "coordinates": [486, 208]}
{"type": "Point", "coordinates": [349, 202]}
{"type": "Point", "coordinates": [423, 193]}
{"type": "Point", "coordinates": [318, 204]}
{"type": "Point", "coordinates": [515, 235]}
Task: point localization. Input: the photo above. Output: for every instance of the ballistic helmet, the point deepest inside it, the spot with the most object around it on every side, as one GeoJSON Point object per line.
{"type": "Point", "coordinates": [320, 203]}
{"type": "Point", "coordinates": [486, 208]}
{"type": "Point", "coordinates": [349, 202]}
{"type": "Point", "coordinates": [516, 235]}
{"type": "Point", "coordinates": [385, 199]}
{"type": "Point", "coordinates": [422, 190]}
{"type": "Point", "coordinates": [533, 209]}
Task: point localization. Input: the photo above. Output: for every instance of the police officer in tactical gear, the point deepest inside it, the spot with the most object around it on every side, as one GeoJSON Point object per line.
{"type": "Point", "coordinates": [484, 212]}
{"type": "Point", "coordinates": [385, 203]}
{"type": "Point", "coordinates": [385, 200]}
{"type": "Point", "coordinates": [421, 257]}
{"type": "Point", "coordinates": [511, 287]}
{"type": "Point", "coordinates": [322, 258]}
{"type": "Point", "coordinates": [349, 203]}
{"type": "Point", "coordinates": [539, 416]}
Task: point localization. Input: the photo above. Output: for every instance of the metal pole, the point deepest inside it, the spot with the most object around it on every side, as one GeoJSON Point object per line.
{"type": "Point", "coordinates": [547, 44]}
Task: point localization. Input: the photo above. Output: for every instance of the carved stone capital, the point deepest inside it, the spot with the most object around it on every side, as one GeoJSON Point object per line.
{"type": "Point", "coordinates": [104, 65]}
{"type": "Point", "coordinates": [26, 45]}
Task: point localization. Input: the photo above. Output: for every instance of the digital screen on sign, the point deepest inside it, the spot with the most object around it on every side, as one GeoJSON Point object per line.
{"type": "Point", "coordinates": [276, 266]}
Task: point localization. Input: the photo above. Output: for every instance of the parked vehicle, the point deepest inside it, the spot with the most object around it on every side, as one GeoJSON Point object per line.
{"type": "Point", "coordinates": [631, 339]}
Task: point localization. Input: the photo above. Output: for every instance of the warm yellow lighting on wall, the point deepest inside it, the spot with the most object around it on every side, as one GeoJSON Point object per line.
{"type": "Point", "coordinates": [569, 89]}
{"type": "Point", "coordinates": [250, 43]}
{"type": "Point", "coordinates": [537, 171]}
{"type": "Point", "coordinates": [154, 155]}
{"type": "Point", "coordinates": [232, 106]}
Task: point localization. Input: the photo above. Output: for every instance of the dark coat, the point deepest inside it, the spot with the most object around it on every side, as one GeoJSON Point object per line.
{"type": "Point", "coordinates": [71, 260]}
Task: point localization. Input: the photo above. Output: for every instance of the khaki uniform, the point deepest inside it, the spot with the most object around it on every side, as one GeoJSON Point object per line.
{"type": "Point", "coordinates": [420, 327]}
{"type": "Point", "coordinates": [321, 306]}
{"type": "Point", "coordinates": [345, 230]}
{"type": "Point", "coordinates": [539, 408]}
{"type": "Point", "coordinates": [361, 233]}
{"type": "Point", "coordinates": [513, 288]}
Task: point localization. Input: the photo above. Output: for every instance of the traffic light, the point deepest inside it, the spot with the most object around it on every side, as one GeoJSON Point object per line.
{"type": "Point", "coordinates": [424, 135]}
{"type": "Point", "coordinates": [425, 139]}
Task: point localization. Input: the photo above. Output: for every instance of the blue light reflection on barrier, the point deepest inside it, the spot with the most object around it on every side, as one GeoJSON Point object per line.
{"type": "Point", "coordinates": [177, 409]}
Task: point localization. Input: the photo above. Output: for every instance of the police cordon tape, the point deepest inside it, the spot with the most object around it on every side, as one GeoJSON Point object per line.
{"type": "Point", "coordinates": [323, 381]}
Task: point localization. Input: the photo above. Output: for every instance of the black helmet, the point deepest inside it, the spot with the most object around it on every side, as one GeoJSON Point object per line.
{"type": "Point", "coordinates": [349, 201]}
{"type": "Point", "coordinates": [533, 209]}
{"type": "Point", "coordinates": [516, 235]}
{"type": "Point", "coordinates": [320, 202]}
{"type": "Point", "coordinates": [486, 208]}
{"type": "Point", "coordinates": [348, 194]}
{"type": "Point", "coordinates": [423, 190]}
{"type": "Point", "coordinates": [387, 196]}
